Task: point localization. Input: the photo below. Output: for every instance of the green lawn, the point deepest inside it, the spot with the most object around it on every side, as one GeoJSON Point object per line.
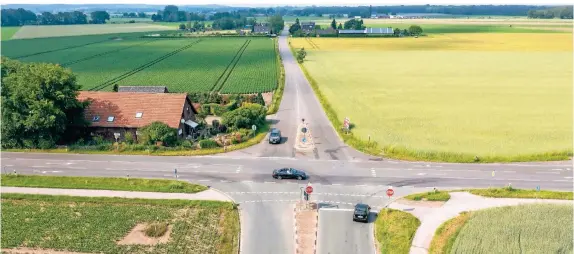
{"type": "Point", "coordinates": [538, 228]}
{"type": "Point", "coordinates": [429, 196]}
{"type": "Point", "coordinates": [394, 231]}
{"type": "Point", "coordinates": [29, 32]}
{"type": "Point", "coordinates": [95, 224]}
{"type": "Point", "coordinates": [101, 183]}
{"type": "Point", "coordinates": [518, 193]}
{"type": "Point", "coordinates": [8, 32]}
{"type": "Point", "coordinates": [482, 97]}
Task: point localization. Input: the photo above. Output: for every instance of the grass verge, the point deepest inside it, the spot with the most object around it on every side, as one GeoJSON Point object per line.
{"type": "Point", "coordinates": [278, 94]}
{"type": "Point", "coordinates": [508, 192]}
{"type": "Point", "coordinates": [402, 153]}
{"type": "Point", "coordinates": [394, 231]}
{"type": "Point", "coordinates": [534, 228]}
{"type": "Point", "coordinates": [429, 196]}
{"type": "Point", "coordinates": [156, 151]}
{"type": "Point", "coordinates": [446, 234]}
{"type": "Point", "coordinates": [101, 183]}
{"type": "Point", "coordinates": [84, 224]}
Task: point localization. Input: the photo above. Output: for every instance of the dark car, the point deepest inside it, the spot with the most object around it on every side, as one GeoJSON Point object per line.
{"type": "Point", "coordinates": [275, 136]}
{"type": "Point", "coordinates": [289, 173]}
{"type": "Point", "coordinates": [361, 212]}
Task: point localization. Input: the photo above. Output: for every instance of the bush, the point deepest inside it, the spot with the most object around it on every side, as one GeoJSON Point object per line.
{"type": "Point", "coordinates": [158, 131]}
{"type": "Point", "coordinates": [208, 143]}
{"type": "Point", "coordinates": [245, 117]}
{"type": "Point", "coordinates": [129, 138]}
{"type": "Point", "coordinates": [156, 229]}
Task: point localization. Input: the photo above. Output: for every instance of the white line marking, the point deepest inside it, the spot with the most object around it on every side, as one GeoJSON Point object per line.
{"type": "Point", "coordinates": [39, 166]}
{"type": "Point", "coordinates": [204, 180]}
{"type": "Point", "coordinates": [421, 174]}
{"type": "Point", "coordinates": [557, 169]}
{"type": "Point", "coordinates": [561, 181]}
{"type": "Point", "coordinates": [337, 184]}
{"type": "Point", "coordinates": [547, 172]}
{"type": "Point", "coordinates": [225, 181]}
{"type": "Point", "coordinates": [360, 185]}
{"type": "Point", "coordinates": [568, 177]}
{"type": "Point", "coordinates": [77, 167]}
{"type": "Point", "coordinates": [247, 181]}
{"type": "Point", "coordinates": [508, 171]}
{"type": "Point", "coordinates": [9, 165]}
{"type": "Point", "coordinates": [268, 182]}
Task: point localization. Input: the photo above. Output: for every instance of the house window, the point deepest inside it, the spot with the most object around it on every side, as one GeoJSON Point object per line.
{"type": "Point", "coordinates": [111, 118]}
{"type": "Point", "coordinates": [96, 119]}
{"type": "Point", "coordinates": [139, 115]}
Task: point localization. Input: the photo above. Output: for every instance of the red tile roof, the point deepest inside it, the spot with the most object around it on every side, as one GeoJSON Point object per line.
{"type": "Point", "coordinates": [164, 107]}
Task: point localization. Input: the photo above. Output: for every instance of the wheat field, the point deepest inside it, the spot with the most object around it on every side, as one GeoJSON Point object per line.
{"type": "Point", "coordinates": [539, 228]}
{"type": "Point", "coordinates": [483, 94]}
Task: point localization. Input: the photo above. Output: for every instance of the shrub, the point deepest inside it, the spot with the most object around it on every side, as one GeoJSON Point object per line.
{"type": "Point", "coordinates": [129, 138]}
{"type": "Point", "coordinates": [156, 229]}
{"type": "Point", "coordinates": [158, 131]}
{"type": "Point", "coordinates": [245, 117]}
{"type": "Point", "coordinates": [208, 143]}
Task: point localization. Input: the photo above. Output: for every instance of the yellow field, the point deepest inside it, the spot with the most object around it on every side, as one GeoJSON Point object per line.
{"type": "Point", "coordinates": [489, 95]}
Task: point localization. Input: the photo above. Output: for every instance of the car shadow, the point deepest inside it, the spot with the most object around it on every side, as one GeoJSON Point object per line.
{"type": "Point", "coordinates": [326, 205]}
{"type": "Point", "coordinates": [283, 140]}
{"type": "Point", "coordinates": [372, 217]}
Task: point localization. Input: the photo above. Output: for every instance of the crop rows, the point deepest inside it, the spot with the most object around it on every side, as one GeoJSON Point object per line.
{"type": "Point", "coordinates": [143, 67]}
{"type": "Point", "coordinates": [196, 69]}
{"type": "Point", "coordinates": [256, 71]}
{"type": "Point", "coordinates": [225, 75]}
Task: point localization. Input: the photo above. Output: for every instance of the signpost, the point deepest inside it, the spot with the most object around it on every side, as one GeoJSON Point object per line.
{"type": "Point", "coordinates": [309, 189]}
{"type": "Point", "coordinates": [347, 123]}
{"type": "Point", "coordinates": [175, 172]}
{"type": "Point", "coordinates": [537, 190]}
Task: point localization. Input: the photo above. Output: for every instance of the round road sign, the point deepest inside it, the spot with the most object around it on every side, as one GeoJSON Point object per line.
{"type": "Point", "coordinates": [309, 189]}
{"type": "Point", "coordinates": [390, 192]}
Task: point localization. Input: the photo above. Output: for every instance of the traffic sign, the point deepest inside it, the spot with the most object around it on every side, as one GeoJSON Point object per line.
{"type": "Point", "coordinates": [390, 192]}
{"type": "Point", "coordinates": [309, 189]}
{"type": "Point", "coordinates": [538, 188]}
{"type": "Point", "coordinates": [304, 130]}
{"type": "Point", "coordinates": [254, 127]}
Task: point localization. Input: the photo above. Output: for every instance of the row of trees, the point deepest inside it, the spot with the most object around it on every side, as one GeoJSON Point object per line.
{"type": "Point", "coordinates": [134, 15]}
{"type": "Point", "coordinates": [558, 12]}
{"type": "Point", "coordinates": [20, 17]}
{"type": "Point", "coordinates": [366, 11]}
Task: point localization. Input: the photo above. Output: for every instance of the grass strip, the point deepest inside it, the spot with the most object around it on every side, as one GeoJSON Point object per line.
{"type": "Point", "coordinates": [446, 234]}
{"type": "Point", "coordinates": [402, 153]}
{"type": "Point", "coordinates": [394, 231]}
{"type": "Point", "coordinates": [509, 192]}
{"type": "Point", "coordinates": [278, 94]}
{"type": "Point", "coordinates": [429, 196]}
{"type": "Point", "coordinates": [101, 183]}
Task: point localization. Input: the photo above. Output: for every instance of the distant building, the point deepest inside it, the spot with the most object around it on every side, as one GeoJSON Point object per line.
{"type": "Point", "coordinates": [345, 15]}
{"type": "Point", "coordinates": [261, 29]}
{"type": "Point", "coordinates": [379, 16]}
{"type": "Point", "coordinates": [307, 26]}
{"type": "Point", "coordinates": [143, 89]}
{"type": "Point", "coordinates": [357, 17]}
{"type": "Point", "coordinates": [113, 114]}
{"type": "Point", "coordinates": [349, 31]}
{"type": "Point", "coordinates": [387, 31]}
{"type": "Point", "coordinates": [328, 30]}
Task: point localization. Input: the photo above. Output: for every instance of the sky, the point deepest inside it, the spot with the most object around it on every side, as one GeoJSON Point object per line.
{"type": "Point", "coordinates": [295, 2]}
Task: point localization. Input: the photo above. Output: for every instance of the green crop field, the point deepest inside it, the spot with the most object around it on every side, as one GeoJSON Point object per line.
{"type": "Point", "coordinates": [501, 97]}
{"type": "Point", "coordinates": [228, 65]}
{"type": "Point", "coordinates": [540, 228]}
{"type": "Point", "coordinates": [95, 224]}
{"type": "Point", "coordinates": [28, 32]}
{"type": "Point", "coordinates": [8, 32]}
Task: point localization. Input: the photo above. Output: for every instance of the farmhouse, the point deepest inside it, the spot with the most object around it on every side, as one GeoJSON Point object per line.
{"type": "Point", "coordinates": [113, 114]}
{"type": "Point", "coordinates": [261, 29]}
{"type": "Point", "coordinates": [307, 27]}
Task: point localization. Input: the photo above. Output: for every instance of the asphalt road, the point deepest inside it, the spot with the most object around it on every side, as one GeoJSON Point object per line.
{"type": "Point", "coordinates": [345, 236]}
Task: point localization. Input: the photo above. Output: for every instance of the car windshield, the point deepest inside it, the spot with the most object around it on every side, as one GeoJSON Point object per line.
{"type": "Point", "coordinates": [274, 134]}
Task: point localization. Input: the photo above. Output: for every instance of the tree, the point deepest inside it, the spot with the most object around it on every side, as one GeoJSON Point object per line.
{"type": "Point", "coordinates": [259, 99]}
{"type": "Point", "coordinates": [294, 28]}
{"type": "Point", "coordinates": [141, 15]}
{"type": "Point", "coordinates": [396, 31]}
{"type": "Point", "coordinates": [115, 88]}
{"type": "Point", "coordinates": [39, 104]}
{"type": "Point", "coordinates": [156, 18]}
{"type": "Point", "coordinates": [244, 117]}
{"type": "Point", "coordinates": [158, 132]}
{"type": "Point", "coordinates": [100, 17]}
{"type": "Point", "coordinates": [17, 17]}
{"type": "Point", "coordinates": [334, 24]}
{"type": "Point", "coordinates": [415, 30]}
{"type": "Point", "coordinates": [181, 26]}
{"type": "Point", "coordinates": [277, 23]}
{"type": "Point", "coordinates": [297, 21]}
{"type": "Point", "coordinates": [354, 24]}
{"type": "Point", "coordinates": [340, 26]}
{"type": "Point", "coordinates": [170, 13]}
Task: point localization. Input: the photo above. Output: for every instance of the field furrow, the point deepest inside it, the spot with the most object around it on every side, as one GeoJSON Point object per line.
{"type": "Point", "coordinates": [256, 70]}
{"type": "Point", "coordinates": [231, 66]}
{"type": "Point", "coordinates": [196, 69]}
{"type": "Point", "coordinates": [97, 71]}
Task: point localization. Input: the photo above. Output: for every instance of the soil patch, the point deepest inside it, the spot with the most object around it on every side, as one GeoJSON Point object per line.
{"type": "Point", "coordinates": [37, 251]}
{"type": "Point", "coordinates": [422, 203]}
{"type": "Point", "coordinates": [138, 236]}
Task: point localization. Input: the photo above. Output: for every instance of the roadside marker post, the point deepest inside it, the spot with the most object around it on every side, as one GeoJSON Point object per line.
{"type": "Point", "coordinates": [175, 172]}
{"type": "Point", "coordinates": [490, 185]}
{"type": "Point", "coordinates": [537, 190]}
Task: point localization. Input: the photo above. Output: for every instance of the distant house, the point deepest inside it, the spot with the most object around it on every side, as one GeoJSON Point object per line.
{"type": "Point", "coordinates": [328, 30]}
{"type": "Point", "coordinates": [384, 31]}
{"type": "Point", "coordinates": [261, 29]}
{"type": "Point", "coordinates": [379, 16]}
{"type": "Point", "coordinates": [142, 89]}
{"type": "Point", "coordinates": [114, 114]}
{"type": "Point", "coordinates": [357, 17]}
{"type": "Point", "coordinates": [307, 27]}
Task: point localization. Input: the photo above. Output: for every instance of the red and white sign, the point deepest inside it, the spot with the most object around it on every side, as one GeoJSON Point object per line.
{"type": "Point", "coordinates": [309, 189]}
{"type": "Point", "coordinates": [347, 122]}
{"type": "Point", "coordinates": [390, 192]}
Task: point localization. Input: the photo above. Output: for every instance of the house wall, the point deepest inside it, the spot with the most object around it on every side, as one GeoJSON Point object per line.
{"type": "Point", "coordinates": [187, 114]}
